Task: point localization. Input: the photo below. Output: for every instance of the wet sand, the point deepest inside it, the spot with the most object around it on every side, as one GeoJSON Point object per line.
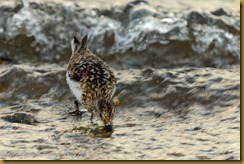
{"type": "Point", "coordinates": [164, 114]}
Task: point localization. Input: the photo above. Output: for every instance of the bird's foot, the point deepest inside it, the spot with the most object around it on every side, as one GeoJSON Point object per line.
{"type": "Point", "coordinates": [76, 112]}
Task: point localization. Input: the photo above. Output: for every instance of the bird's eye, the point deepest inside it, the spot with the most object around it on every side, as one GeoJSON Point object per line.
{"type": "Point", "coordinates": [100, 115]}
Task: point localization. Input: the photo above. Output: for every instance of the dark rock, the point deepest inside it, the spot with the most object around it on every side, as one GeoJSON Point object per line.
{"type": "Point", "coordinates": [147, 72]}
{"type": "Point", "coordinates": [22, 118]}
{"type": "Point", "coordinates": [219, 12]}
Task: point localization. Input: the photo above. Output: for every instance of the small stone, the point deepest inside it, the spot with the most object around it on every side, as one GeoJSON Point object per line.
{"type": "Point", "coordinates": [147, 72]}
{"type": "Point", "coordinates": [219, 12]}
{"type": "Point", "coordinates": [22, 118]}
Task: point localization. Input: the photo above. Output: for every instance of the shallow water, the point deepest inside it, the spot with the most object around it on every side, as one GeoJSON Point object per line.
{"type": "Point", "coordinates": [177, 70]}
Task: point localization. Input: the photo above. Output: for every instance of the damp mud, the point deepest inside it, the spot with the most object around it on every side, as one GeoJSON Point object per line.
{"type": "Point", "coordinates": [178, 80]}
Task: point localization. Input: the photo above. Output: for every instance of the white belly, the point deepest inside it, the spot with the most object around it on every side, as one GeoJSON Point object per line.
{"type": "Point", "coordinates": [74, 87]}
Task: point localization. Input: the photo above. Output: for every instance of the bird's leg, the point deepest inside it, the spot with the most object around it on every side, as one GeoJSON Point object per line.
{"type": "Point", "coordinates": [76, 105]}
{"type": "Point", "coordinates": [91, 117]}
{"type": "Point", "coordinates": [77, 111]}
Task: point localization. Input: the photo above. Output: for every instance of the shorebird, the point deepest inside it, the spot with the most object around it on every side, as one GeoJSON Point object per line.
{"type": "Point", "coordinates": [92, 82]}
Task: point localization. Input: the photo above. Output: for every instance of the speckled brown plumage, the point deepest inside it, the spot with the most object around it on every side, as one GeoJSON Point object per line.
{"type": "Point", "coordinates": [96, 80]}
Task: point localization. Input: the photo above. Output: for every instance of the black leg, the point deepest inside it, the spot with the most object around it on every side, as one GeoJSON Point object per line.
{"type": "Point", "coordinates": [76, 105]}
{"type": "Point", "coordinates": [91, 117]}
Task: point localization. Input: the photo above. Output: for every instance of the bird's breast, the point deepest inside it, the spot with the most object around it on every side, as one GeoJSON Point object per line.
{"type": "Point", "coordinates": [74, 87]}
